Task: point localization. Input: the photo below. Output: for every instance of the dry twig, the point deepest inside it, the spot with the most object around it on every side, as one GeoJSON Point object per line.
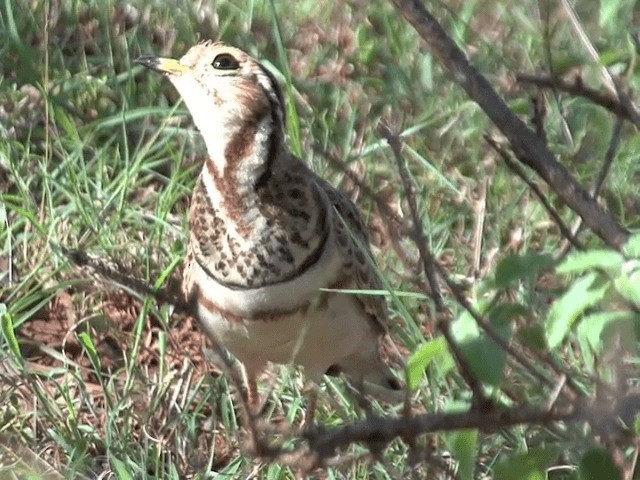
{"type": "Point", "coordinates": [527, 146]}
{"type": "Point", "coordinates": [579, 89]}
{"type": "Point", "coordinates": [515, 168]}
{"type": "Point", "coordinates": [612, 149]}
{"type": "Point", "coordinates": [428, 265]}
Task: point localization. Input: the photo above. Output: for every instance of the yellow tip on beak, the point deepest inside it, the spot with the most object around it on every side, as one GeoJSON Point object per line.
{"type": "Point", "coordinates": [162, 65]}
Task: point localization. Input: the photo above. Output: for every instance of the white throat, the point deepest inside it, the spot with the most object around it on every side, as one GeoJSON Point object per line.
{"type": "Point", "coordinates": [220, 124]}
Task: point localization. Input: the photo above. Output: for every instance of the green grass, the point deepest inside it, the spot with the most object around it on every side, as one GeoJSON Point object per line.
{"type": "Point", "coordinates": [101, 156]}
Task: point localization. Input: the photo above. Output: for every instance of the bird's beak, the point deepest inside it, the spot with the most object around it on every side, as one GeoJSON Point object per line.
{"type": "Point", "coordinates": [162, 65]}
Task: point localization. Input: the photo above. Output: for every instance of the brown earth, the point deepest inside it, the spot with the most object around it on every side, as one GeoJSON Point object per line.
{"type": "Point", "coordinates": [49, 340]}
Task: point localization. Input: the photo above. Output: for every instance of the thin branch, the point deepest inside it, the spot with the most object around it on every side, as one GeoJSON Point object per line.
{"type": "Point", "coordinates": [611, 83]}
{"type": "Point", "coordinates": [575, 22]}
{"type": "Point", "coordinates": [579, 89]}
{"type": "Point", "coordinates": [528, 148]}
{"type": "Point", "coordinates": [629, 474]}
{"type": "Point", "coordinates": [367, 191]}
{"type": "Point", "coordinates": [602, 175]}
{"type": "Point", "coordinates": [324, 443]}
{"type": "Point", "coordinates": [514, 167]}
{"type": "Point", "coordinates": [614, 143]}
{"type": "Point", "coordinates": [479, 217]}
{"type": "Point", "coordinates": [428, 265]}
{"type": "Point", "coordinates": [385, 429]}
{"type": "Point", "coordinates": [460, 297]}
{"type": "Point", "coordinates": [417, 234]}
{"type": "Point", "coordinates": [539, 115]}
{"type": "Point", "coordinates": [547, 6]}
{"type": "Point", "coordinates": [429, 262]}
{"type": "Point", "coordinates": [110, 271]}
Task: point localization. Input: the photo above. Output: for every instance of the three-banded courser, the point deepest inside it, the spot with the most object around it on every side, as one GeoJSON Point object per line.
{"type": "Point", "coordinates": [267, 235]}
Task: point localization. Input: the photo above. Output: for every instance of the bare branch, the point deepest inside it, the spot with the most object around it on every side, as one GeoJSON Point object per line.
{"type": "Point", "coordinates": [614, 143]}
{"type": "Point", "coordinates": [417, 234]}
{"type": "Point", "coordinates": [528, 148]}
{"type": "Point", "coordinates": [515, 168]}
{"type": "Point", "coordinates": [602, 175]}
{"type": "Point", "coordinates": [111, 271]}
{"type": "Point", "coordinates": [428, 265]}
{"type": "Point", "coordinates": [388, 428]}
{"type": "Point", "coordinates": [579, 89]}
{"type": "Point", "coordinates": [575, 22]}
{"type": "Point", "coordinates": [443, 315]}
{"type": "Point", "coordinates": [217, 354]}
{"type": "Point", "coordinates": [611, 83]}
{"type": "Point", "coordinates": [324, 443]}
{"type": "Point", "coordinates": [479, 214]}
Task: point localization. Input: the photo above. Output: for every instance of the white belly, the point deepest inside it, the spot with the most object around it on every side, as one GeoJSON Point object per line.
{"type": "Point", "coordinates": [334, 325]}
{"type": "Point", "coordinates": [315, 340]}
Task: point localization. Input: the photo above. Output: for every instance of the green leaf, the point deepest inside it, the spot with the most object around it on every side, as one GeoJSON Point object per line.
{"type": "Point", "coordinates": [485, 358]}
{"type": "Point", "coordinates": [530, 465]}
{"type": "Point", "coordinates": [421, 358]}
{"type": "Point", "coordinates": [520, 106]}
{"type": "Point", "coordinates": [29, 215]}
{"type": "Point", "coordinates": [514, 268]}
{"type": "Point", "coordinates": [596, 464]}
{"type": "Point", "coordinates": [399, 294]}
{"type": "Point", "coordinates": [632, 247]}
{"type": "Point", "coordinates": [611, 56]}
{"type": "Point", "coordinates": [506, 312]}
{"type": "Point", "coordinates": [627, 284]}
{"type": "Point", "coordinates": [566, 60]}
{"type": "Point", "coordinates": [584, 293]}
{"type": "Point", "coordinates": [63, 121]}
{"type": "Point", "coordinates": [596, 332]}
{"type": "Point", "coordinates": [121, 470]}
{"type": "Point", "coordinates": [608, 12]}
{"type": "Point", "coordinates": [578, 262]}
{"type": "Point", "coordinates": [425, 69]}
{"type": "Point", "coordinates": [90, 349]}
{"type": "Point", "coordinates": [366, 45]}
{"type": "Point", "coordinates": [463, 445]}
{"type": "Point", "coordinates": [9, 334]}
{"type": "Point", "coordinates": [533, 336]}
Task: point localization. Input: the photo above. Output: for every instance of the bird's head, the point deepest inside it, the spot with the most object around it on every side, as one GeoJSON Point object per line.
{"type": "Point", "coordinates": [225, 90]}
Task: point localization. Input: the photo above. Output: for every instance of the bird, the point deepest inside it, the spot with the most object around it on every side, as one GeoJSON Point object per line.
{"type": "Point", "coordinates": [272, 246]}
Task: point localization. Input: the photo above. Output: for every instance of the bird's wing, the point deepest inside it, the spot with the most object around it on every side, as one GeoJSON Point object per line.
{"type": "Point", "coordinates": [353, 241]}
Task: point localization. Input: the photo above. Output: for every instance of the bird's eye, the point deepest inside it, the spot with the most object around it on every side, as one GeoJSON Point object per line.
{"type": "Point", "coordinates": [225, 61]}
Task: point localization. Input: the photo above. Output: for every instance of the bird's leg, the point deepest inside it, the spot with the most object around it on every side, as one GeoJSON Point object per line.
{"type": "Point", "coordinates": [311, 391]}
{"type": "Point", "coordinates": [251, 410]}
{"type": "Point", "coordinates": [252, 397]}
